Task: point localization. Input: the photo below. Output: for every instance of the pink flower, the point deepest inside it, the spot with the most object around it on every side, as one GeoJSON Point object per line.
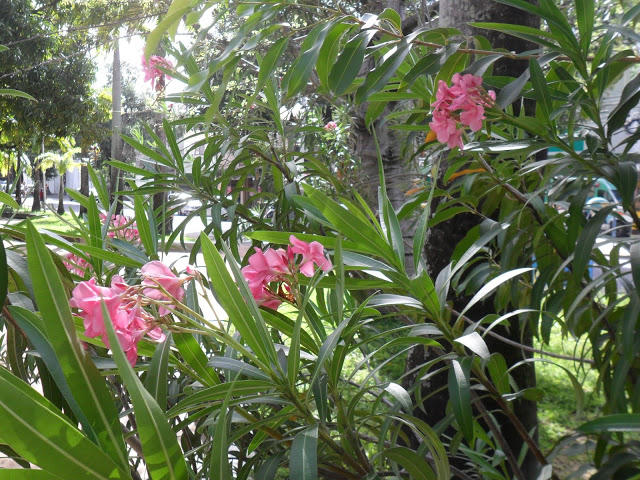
{"type": "Point", "coordinates": [157, 274]}
{"type": "Point", "coordinates": [122, 228]}
{"type": "Point", "coordinates": [329, 127]}
{"type": "Point", "coordinates": [265, 267]}
{"type": "Point", "coordinates": [462, 103]}
{"type": "Point", "coordinates": [124, 309]}
{"type": "Point", "coordinates": [311, 253]}
{"type": "Point", "coordinates": [76, 265]}
{"type": "Point", "coordinates": [88, 297]}
{"type": "Point", "coordinates": [153, 73]}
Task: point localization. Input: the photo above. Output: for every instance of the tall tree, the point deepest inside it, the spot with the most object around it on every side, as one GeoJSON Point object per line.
{"type": "Point", "coordinates": [445, 236]}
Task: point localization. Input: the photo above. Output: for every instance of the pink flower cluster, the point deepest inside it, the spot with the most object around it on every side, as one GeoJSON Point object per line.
{"type": "Point", "coordinates": [279, 266]}
{"type": "Point", "coordinates": [153, 73]}
{"type": "Point", "coordinates": [331, 126]}
{"type": "Point", "coordinates": [124, 304]}
{"type": "Point", "coordinates": [76, 265]}
{"type": "Point", "coordinates": [462, 103]}
{"type": "Point", "coordinates": [122, 228]}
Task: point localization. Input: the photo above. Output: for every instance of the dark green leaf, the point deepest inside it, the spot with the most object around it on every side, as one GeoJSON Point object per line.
{"type": "Point", "coordinates": [460, 397]}
{"type": "Point", "coordinates": [349, 62]}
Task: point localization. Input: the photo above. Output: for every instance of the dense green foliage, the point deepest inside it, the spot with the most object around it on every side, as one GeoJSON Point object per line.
{"type": "Point", "coordinates": [242, 391]}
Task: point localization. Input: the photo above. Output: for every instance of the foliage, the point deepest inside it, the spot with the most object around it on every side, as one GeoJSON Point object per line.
{"type": "Point", "coordinates": [242, 391]}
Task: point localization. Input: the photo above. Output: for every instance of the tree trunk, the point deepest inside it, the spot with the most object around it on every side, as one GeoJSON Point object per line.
{"type": "Point", "coordinates": [19, 182]}
{"type": "Point", "coordinates": [442, 239]}
{"type": "Point", "coordinates": [37, 188]}
{"type": "Point", "coordinates": [398, 172]}
{"type": "Point", "coordinates": [116, 125]}
{"type": "Point", "coordinates": [61, 194]}
{"type": "Point", "coordinates": [84, 185]}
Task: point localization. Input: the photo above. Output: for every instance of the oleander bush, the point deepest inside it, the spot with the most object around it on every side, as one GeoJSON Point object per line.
{"type": "Point", "coordinates": [275, 363]}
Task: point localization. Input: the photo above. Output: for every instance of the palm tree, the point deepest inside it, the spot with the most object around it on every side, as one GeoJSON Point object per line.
{"type": "Point", "coordinates": [63, 161]}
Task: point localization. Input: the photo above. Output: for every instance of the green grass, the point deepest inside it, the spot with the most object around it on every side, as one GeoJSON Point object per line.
{"type": "Point", "coordinates": [52, 222]}
{"type": "Point", "coordinates": [557, 411]}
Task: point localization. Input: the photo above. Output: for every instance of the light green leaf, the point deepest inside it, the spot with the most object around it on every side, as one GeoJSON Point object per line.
{"type": "Point", "coordinates": [304, 455]}
{"type": "Point", "coordinates": [144, 230]}
{"type": "Point", "coordinates": [248, 323]}
{"type": "Point", "coordinates": [585, 12]}
{"type": "Point", "coordinates": [492, 285]}
{"type": "Point", "coordinates": [163, 456]}
{"type": "Point", "coordinates": [474, 342]}
{"type": "Point", "coordinates": [33, 427]}
{"type": "Point", "coordinates": [157, 376]}
{"type": "Point", "coordinates": [623, 422]}
{"type": "Point", "coordinates": [83, 378]}
{"type": "Point", "coordinates": [8, 200]}
{"type": "Point", "coordinates": [16, 93]}
{"type": "Point", "coordinates": [401, 396]}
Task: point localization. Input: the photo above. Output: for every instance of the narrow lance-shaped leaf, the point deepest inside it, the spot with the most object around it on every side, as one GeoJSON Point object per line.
{"type": "Point", "coordinates": [157, 376]}
{"type": "Point", "coordinates": [460, 395]}
{"type": "Point", "coordinates": [33, 427]}
{"type": "Point", "coordinates": [162, 454]}
{"type": "Point", "coordinates": [304, 455]}
{"type": "Point", "coordinates": [84, 380]}
{"type": "Point", "coordinates": [250, 326]}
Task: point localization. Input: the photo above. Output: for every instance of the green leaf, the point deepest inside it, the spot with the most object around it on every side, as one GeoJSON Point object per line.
{"type": "Point", "coordinates": [401, 395]}
{"type": "Point", "coordinates": [349, 62]}
{"type": "Point", "coordinates": [296, 77]}
{"type": "Point", "coordinates": [157, 376]}
{"type": "Point", "coordinates": [4, 274]}
{"type": "Point", "coordinates": [512, 91]}
{"type": "Point", "coordinates": [251, 327]}
{"type": "Point", "coordinates": [144, 230]}
{"type": "Point", "coordinates": [378, 78]}
{"type": "Point", "coordinates": [586, 241]}
{"type": "Point", "coordinates": [33, 427]}
{"type": "Point", "coordinates": [474, 342]}
{"type": "Point", "coordinates": [26, 474]}
{"type": "Point", "coordinates": [169, 24]}
{"type": "Point", "coordinates": [195, 358]}
{"type": "Point", "coordinates": [270, 60]}
{"type": "Point", "coordinates": [541, 89]}
{"type": "Point", "coordinates": [585, 13]}
{"type": "Point", "coordinates": [219, 467]}
{"type": "Point", "coordinates": [622, 422]}
{"type": "Point", "coordinates": [635, 265]}
{"type": "Point", "coordinates": [162, 454]}
{"type": "Point", "coordinates": [491, 286]}
{"type": "Point", "coordinates": [329, 52]}
{"type": "Point", "coordinates": [629, 98]}
{"type": "Point", "coordinates": [460, 397]}
{"type": "Point", "coordinates": [15, 93]}
{"type": "Point", "coordinates": [304, 455]}
{"type": "Point", "coordinates": [115, 258]}
{"type": "Point", "coordinates": [8, 200]}
{"type": "Point", "coordinates": [414, 464]}
{"type": "Point", "coordinates": [83, 378]}
{"type": "Point", "coordinates": [269, 467]}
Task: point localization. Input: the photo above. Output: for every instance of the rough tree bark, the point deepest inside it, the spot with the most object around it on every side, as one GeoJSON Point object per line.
{"type": "Point", "coordinates": [63, 178]}
{"type": "Point", "coordinates": [398, 172]}
{"type": "Point", "coordinates": [442, 239]}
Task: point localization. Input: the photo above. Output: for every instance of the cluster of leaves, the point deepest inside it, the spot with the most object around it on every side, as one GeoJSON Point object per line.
{"type": "Point", "coordinates": [266, 391]}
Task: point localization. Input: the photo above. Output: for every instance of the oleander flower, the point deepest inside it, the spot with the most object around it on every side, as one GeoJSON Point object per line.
{"type": "Point", "coordinates": [459, 106]}
{"type": "Point", "coordinates": [153, 73]}
{"type": "Point", "coordinates": [158, 279]}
